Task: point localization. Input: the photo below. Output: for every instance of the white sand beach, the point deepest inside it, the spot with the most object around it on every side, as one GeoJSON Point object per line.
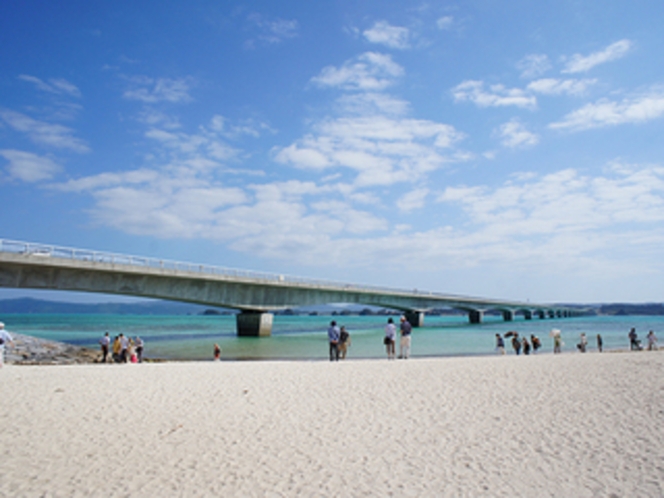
{"type": "Point", "coordinates": [569, 425]}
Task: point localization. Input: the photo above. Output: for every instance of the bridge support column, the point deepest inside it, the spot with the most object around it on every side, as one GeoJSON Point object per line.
{"type": "Point", "coordinates": [528, 315]}
{"type": "Point", "coordinates": [508, 315]}
{"type": "Point", "coordinates": [475, 316]}
{"type": "Point", "coordinates": [541, 315]}
{"type": "Point", "coordinates": [254, 324]}
{"type": "Point", "coordinates": [415, 318]}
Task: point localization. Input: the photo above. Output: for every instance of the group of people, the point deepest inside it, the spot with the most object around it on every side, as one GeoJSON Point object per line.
{"type": "Point", "coordinates": [524, 345]}
{"type": "Point", "coordinates": [635, 343]}
{"type": "Point", "coordinates": [518, 344]}
{"type": "Point", "coordinates": [535, 343]}
{"type": "Point", "coordinates": [339, 339]}
{"type": "Point", "coordinates": [123, 349]}
{"type": "Point", "coordinates": [405, 330]}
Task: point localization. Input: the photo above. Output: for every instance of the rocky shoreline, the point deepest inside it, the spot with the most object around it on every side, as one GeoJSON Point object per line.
{"type": "Point", "coordinates": [28, 350]}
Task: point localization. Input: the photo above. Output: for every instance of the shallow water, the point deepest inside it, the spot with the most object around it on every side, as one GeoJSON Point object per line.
{"type": "Point", "coordinates": [191, 337]}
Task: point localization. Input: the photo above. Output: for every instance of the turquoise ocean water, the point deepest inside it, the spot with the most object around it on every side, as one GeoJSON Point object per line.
{"type": "Point", "coordinates": [191, 337]}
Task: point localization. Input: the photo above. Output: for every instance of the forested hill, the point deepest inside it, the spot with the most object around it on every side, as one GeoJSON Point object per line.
{"type": "Point", "coordinates": [631, 309]}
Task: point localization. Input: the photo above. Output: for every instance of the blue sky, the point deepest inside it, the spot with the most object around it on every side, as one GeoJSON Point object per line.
{"type": "Point", "coordinates": [488, 148]}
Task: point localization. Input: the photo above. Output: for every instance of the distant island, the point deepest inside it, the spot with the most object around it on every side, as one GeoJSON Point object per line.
{"type": "Point", "coordinates": [159, 307]}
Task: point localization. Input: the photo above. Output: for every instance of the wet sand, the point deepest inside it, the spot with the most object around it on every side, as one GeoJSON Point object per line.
{"type": "Point", "coordinates": [565, 425]}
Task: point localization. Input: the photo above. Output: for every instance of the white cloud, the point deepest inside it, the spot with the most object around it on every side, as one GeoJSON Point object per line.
{"type": "Point", "coordinates": [514, 134]}
{"type": "Point", "coordinates": [369, 103]}
{"type": "Point", "coordinates": [445, 22]}
{"type": "Point", "coordinates": [209, 144]}
{"type": "Point", "coordinates": [636, 109]}
{"type": "Point", "coordinates": [350, 220]}
{"type": "Point", "coordinates": [381, 150]}
{"type": "Point", "coordinates": [29, 167]}
{"type": "Point", "coordinates": [40, 132]}
{"type": "Point", "coordinates": [496, 96]}
{"type": "Point", "coordinates": [370, 71]}
{"type": "Point", "coordinates": [566, 200]}
{"type": "Point", "coordinates": [385, 34]}
{"type": "Point", "coordinates": [174, 202]}
{"type": "Point", "coordinates": [412, 200]}
{"type": "Point", "coordinates": [553, 86]}
{"type": "Point", "coordinates": [57, 86]}
{"type": "Point", "coordinates": [534, 65]}
{"type": "Point", "coordinates": [562, 220]}
{"type": "Point", "coordinates": [109, 180]}
{"type": "Point", "coordinates": [152, 90]}
{"type": "Point", "coordinates": [155, 118]}
{"type": "Point", "coordinates": [579, 63]}
{"type": "Point", "coordinates": [573, 221]}
{"type": "Point", "coordinates": [274, 30]}
{"type": "Point", "coordinates": [246, 127]}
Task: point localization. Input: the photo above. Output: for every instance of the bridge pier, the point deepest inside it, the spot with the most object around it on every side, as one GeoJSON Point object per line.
{"type": "Point", "coordinates": [508, 315]}
{"type": "Point", "coordinates": [475, 316]}
{"type": "Point", "coordinates": [528, 315]}
{"type": "Point", "coordinates": [415, 318]}
{"type": "Point", "coordinates": [541, 314]}
{"type": "Point", "coordinates": [254, 324]}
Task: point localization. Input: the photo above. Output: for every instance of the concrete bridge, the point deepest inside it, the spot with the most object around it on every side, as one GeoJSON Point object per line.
{"type": "Point", "coordinates": [256, 295]}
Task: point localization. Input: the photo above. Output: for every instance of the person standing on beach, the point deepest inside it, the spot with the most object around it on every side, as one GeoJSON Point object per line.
{"type": "Point", "coordinates": [652, 341]}
{"type": "Point", "coordinates": [535, 341]}
{"type": "Point", "coordinates": [557, 344]}
{"type": "Point", "coordinates": [5, 338]}
{"type": "Point", "coordinates": [500, 344]}
{"type": "Point", "coordinates": [633, 340]}
{"type": "Point", "coordinates": [344, 342]}
{"type": "Point", "coordinates": [526, 346]}
{"type": "Point", "coordinates": [124, 345]}
{"type": "Point", "coordinates": [105, 342]}
{"type": "Point", "coordinates": [406, 331]}
{"type": "Point", "coordinates": [117, 347]}
{"type": "Point", "coordinates": [516, 344]}
{"type": "Point", "coordinates": [390, 339]}
{"type": "Point", "coordinates": [217, 352]}
{"type": "Point", "coordinates": [600, 343]}
{"type": "Point", "coordinates": [333, 334]}
{"type": "Point", "coordinates": [583, 342]}
{"type": "Point", "coordinates": [557, 340]}
{"type": "Point", "coordinates": [139, 349]}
